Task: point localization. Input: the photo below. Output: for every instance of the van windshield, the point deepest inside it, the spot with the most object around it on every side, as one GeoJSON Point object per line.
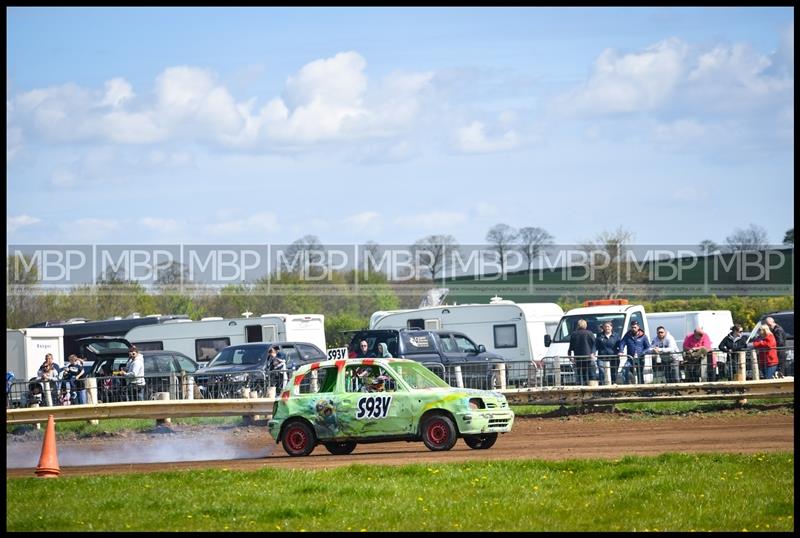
{"type": "Point", "coordinates": [569, 324]}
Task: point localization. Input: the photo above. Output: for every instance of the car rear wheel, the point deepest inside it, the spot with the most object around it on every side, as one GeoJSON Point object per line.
{"type": "Point", "coordinates": [481, 441]}
{"type": "Point", "coordinates": [341, 448]}
{"type": "Point", "coordinates": [298, 439]}
{"type": "Point", "coordinates": [438, 433]}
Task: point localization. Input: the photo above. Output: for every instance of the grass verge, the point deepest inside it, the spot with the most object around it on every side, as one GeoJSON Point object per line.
{"type": "Point", "coordinates": [679, 492]}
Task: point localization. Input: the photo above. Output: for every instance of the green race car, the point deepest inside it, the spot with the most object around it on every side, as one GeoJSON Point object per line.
{"type": "Point", "coordinates": [344, 402]}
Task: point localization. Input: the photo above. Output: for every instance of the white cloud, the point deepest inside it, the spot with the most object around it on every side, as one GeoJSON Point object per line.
{"type": "Point", "coordinates": [14, 142]}
{"type": "Point", "coordinates": [258, 222]}
{"type": "Point", "coordinates": [118, 90]}
{"type": "Point", "coordinates": [433, 221]}
{"type": "Point", "coordinates": [474, 139]}
{"type": "Point", "coordinates": [63, 178]}
{"type": "Point", "coordinates": [368, 220]}
{"type": "Point", "coordinates": [629, 83]}
{"type": "Point", "coordinates": [162, 225]}
{"type": "Point", "coordinates": [15, 223]}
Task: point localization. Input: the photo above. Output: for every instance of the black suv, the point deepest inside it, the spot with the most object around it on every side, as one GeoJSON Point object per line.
{"type": "Point", "coordinates": [441, 351]}
{"type": "Point", "coordinates": [245, 366]}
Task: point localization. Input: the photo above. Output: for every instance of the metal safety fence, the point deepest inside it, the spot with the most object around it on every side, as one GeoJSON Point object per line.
{"type": "Point", "coordinates": [677, 367]}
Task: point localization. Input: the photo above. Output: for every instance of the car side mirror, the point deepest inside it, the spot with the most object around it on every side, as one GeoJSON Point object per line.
{"type": "Point", "coordinates": [547, 340]}
{"type": "Point", "coordinates": [481, 348]}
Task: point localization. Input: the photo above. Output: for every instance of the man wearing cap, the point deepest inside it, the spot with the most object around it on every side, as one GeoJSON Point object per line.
{"type": "Point", "coordinates": [635, 342]}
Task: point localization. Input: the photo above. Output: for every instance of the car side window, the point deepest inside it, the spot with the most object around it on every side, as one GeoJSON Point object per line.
{"type": "Point", "coordinates": [368, 378]}
{"type": "Point", "coordinates": [291, 355]}
{"type": "Point", "coordinates": [318, 380]}
{"type": "Point", "coordinates": [447, 344]}
{"type": "Point", "coordinates": [159, 363]}
{"type": "Point", "coordinates": [309, 353]}
{"type": "Point", "coordinates": [185, 364]}
{"type": "Point", "coordinates": [465, 345]}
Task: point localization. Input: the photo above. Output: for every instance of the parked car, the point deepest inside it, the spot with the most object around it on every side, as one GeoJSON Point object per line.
{"type": "Point", "coordinates": [106, 355]}
{"type": "Point", "coordinates": [245, 366]}
{"type": "Point", "coordinates": [340, 403]}
{"type": "Point", "coordinates": [440, 351]}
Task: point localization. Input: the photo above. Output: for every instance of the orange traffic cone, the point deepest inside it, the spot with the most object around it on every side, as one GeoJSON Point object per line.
{"type": "Point", "coordinates": [48, 461]}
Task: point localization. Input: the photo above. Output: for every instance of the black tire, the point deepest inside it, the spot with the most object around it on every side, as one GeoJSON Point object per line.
{"type": "Point", "coordinates": [482, 441]}
{"type": "Point", "coordinates": [298, 438]}
{"type": "Point", "coordinates": [438, 433]}
{"type": "Point", "coordinates": [341, 448]}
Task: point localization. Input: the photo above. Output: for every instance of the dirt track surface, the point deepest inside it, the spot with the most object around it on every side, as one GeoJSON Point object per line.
{"type": "Point", "coordinates": [581, 436]}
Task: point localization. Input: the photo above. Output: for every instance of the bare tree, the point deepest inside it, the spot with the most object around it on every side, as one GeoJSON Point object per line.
{"type": "Point", "coordinates": [533, 241]}
{"type": "Point", "coordinates": [708, 246]}
{"type": "Point", "coordinates": [173, 275]}
{"type": "Point", "coordinates": [606, 255]}
{"type": "Point", "coordinates": [370, 253]}
{"type": "Point", "coordinates": [309, 251]}
{"type": "Point", "coordinates": [501, 237]}
{"type": "Point", "coordinates": [754, 237]}
{"type": "Point", "coordinates": [788, 239]}
{"type": "Point", "coordinates": [433, 252]}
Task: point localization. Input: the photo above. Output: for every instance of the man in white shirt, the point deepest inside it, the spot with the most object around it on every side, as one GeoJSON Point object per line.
{"type": "Point", "coordinates": [135, 373]}
{"type": "Point", "coordinates": [664, 345]}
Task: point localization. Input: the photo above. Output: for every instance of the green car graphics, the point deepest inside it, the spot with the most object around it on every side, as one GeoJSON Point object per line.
{"type": "Point", "coordinates": [344, 402]}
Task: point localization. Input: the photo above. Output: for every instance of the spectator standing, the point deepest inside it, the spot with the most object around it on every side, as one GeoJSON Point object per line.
{"type": "Point", "coordinates": [780, 343]}
{"type": "Point", "coordinates": [75, 379]}
{"type": "Point", "coordinates": [606, 349]}
{"type": "Point", "coordinates": [581, 349]}
{"type": "Point", "coordinates": [665, 347]}
{"type": "Point", "coordinates": [135, 373]}
{"type": "Point", "coordinates": [633, 345]}
{"type": "Point", "coordinates": [696, 348]}
{"type": "Point", "coordinates": [49, 373]}
{"type": "Point", "coordinates": [731, 344]}
{"type": "Point", "coordinates": [276, 362]}
{"type": "Point", "coordinates": [765, 343]}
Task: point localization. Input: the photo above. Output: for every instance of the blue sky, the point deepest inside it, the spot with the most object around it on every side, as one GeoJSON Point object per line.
{"type": "Point", "coordinates": [262, 125]}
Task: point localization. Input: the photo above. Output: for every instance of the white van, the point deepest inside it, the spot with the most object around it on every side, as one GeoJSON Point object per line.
{"type": "Point", "coordinates": [717, 323]}
{"type": "Point", "coordinates": [515, 331]}
{"type": "Point", "coordinates": [202, 340]}
{"type": "Point", "coordinates": [596, 313]}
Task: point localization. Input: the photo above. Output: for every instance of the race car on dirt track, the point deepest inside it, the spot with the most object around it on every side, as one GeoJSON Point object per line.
{"type": "Point", "coordinates": [344, 402]}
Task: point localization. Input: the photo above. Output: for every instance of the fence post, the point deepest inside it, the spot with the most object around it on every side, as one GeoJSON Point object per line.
{"type": "Point", "coordinates": [163, 396]}
{"type": "Point", "coordinates": [189, 395]}
{"type": "Point", "coordinates": [459, 378]}
{"type": "Point", "coordinates": [607, 372]}
{"type": "Point", "coordinates": [754, 365]}
{"type": "Point", "coordinates": [499, 376]}
{"type": "Point", "coordinates": [48, 395]}
{"type": "Point", "coordinates": [704, 369]}
{"type": "Point", "coordinates": [557, 371]}
{"type": "Point", "coordinates": [173, 386]}
{"type": "Point", "coordinates": [91, 394]}
{"type": "Point", "coordinates": [741, 366]}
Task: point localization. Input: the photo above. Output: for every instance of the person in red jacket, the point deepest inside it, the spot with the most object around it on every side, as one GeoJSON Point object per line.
{"type": "Point", "coordinates": [767, 352]}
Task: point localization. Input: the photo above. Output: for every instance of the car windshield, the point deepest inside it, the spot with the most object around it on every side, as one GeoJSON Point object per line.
{"type": "Point", "coordinates": [417, 376]}
{"type": "Point", "coordinates": [238, 356]}
{"type": "Point", "coordinates": [594, 322]}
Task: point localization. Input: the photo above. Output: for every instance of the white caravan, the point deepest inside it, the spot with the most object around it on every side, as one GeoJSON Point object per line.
{"type": "Point", "coordinates": [515, 331]}
{"type": "Point", "coordinates": [616, 311]}
{"type": "Point", "coordinates": [26, 348]}
{"type": "Point", "coordinates": [203, 339]}
{"type": "Point", "coordinates": [717, 323]}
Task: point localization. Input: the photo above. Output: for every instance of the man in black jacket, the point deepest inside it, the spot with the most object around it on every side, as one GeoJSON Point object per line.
{"type": "Point", "coordinates": [581, 347]}
{"type": "Point", "coordinates": [606, 350]}
{"type": "Point", "coordinates": [780, 342]}
{"type": "Point", "coordinates": [735, 341]}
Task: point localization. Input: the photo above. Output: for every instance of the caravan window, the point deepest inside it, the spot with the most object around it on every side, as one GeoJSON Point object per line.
{"type": "Point", "coordinates": [207, 348]}
{"type": "Point", "coordinates": [505, 336]}
{"type": "Point", "coordinates": [253, 333]}
{"type": "Point", "coordinates": [415, 324]}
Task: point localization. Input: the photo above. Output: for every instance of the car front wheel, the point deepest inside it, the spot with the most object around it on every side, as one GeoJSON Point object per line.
{"type": "Point", "coordinates": [438, 433]}
{"type": "Point", "coordinates": [298, 439]}
{"type": "Point", "coordinates": [481, 441]}
{"type": "Point", "coordinates": [341, 448]}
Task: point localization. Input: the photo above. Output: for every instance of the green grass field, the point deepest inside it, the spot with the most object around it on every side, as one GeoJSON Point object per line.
{"type": "Point", "coordinates": [670, 492]}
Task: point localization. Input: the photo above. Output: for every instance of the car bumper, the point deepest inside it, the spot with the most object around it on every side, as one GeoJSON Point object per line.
{"type": "Point", "coordinates": [499, 421]}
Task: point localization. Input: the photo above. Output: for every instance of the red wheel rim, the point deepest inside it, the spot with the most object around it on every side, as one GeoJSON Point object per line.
{"type": "Point", "coordinates": [437, 432]}
{"type": "Point", "coordinates": [296, 438]}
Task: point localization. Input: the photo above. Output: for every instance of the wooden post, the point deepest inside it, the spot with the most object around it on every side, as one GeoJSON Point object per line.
{"type": "Point", "coordinates": [459, 378]}
{"type": "Point", "coordinates": [754, 365]}
{"type": "Point", "coordinates": [557, 371]}
{"type": "Point", "coordinates": [91, 396]}
{"type": "Point", "coordinates": [163, 396]}
{"type": "Point", "coordinates": [741, 366]}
